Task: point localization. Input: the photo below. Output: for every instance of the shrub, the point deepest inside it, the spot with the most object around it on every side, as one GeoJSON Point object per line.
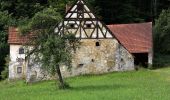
{"type": "Point", "coordinates": [162, 33]}
{"type": "Point", "coordinates": [4, 73]}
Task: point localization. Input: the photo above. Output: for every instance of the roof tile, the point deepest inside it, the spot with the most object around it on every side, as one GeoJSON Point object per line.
{"type": "Point", "coordinates": [15, 38]}
{"type": "Point", "coordinates": [136, 38]}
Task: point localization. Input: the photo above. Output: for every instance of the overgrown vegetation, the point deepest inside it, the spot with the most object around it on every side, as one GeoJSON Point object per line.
{"type": "Point", "coordinates": [5, 21]}
{"type": "Point", "coordinates": [4, 73]}
{"type": "Point", "coordinates": [161, 61]}
{"type": "Point", "coordinates": [161, 35]}
{"type": "Point", "coordinates": [135, 85]}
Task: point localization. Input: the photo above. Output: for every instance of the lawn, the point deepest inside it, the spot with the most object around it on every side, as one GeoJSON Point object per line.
{"type": "Point", "coordinates": [134, 85]}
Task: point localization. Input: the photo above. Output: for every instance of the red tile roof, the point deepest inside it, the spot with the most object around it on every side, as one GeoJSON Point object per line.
{"type": "Point", "coordinates": [15, 38]}
{"type": "Point", "coordinates": [136, 38]}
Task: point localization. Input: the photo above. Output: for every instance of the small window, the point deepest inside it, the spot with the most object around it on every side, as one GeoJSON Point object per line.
{"type": "Point", "coordinates": [21, 50]}
{"type": "Point", "coordinates": [122, 60]}
{"type": "Point", "coordinates": [19, 70]}
{"type": "Point", "coordinates": [88, 25]}
{"type": "Point", "coordinates": [71, 25]}
{"type": "Point", "coordinates": [80, 65]}
{"type": "Point", "coordinates": [97, 44]}
{"type": "Point", "coordinates": [92, 60]}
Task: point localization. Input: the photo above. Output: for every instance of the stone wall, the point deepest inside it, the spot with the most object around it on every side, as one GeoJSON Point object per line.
{"type": "Point", "coordinates": [35, 73]}
{"type": "Point", "coordinates": [91, 59]}
{"type": "Point", "coordinates": [124, 60]}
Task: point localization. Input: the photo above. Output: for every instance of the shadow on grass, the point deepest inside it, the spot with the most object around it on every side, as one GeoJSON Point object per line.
{"type": "Point", "coordinates": [97, 87]}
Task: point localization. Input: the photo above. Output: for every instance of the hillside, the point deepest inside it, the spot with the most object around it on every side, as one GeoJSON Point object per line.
{"type": "Point", "coordinates": [135, 85]}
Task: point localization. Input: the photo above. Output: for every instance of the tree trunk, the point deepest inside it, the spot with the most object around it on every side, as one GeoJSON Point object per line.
{"type": "Point", "coordinates": [61, 82]}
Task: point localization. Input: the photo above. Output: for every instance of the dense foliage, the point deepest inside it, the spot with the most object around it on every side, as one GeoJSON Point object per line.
{"type": "Point", "coordinates": [162, 33]}
{"type": "Point", "coordinates": [5, 21]}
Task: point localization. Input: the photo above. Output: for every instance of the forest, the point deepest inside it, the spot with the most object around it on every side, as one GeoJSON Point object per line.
{"type": "Point", "coordinates": [19, 12]}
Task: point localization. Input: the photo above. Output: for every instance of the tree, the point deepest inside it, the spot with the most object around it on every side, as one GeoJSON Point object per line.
{"type": "Point", "coordinates": [162, 33]}
{"type": "Point", "coordinates": [5, 21]}
{"type": "Point", "coordinates": [4, 73]}
{"type": "Point", "coordinates": [50, 49]}
{"type": "Point", "coordinates": [23, 8]}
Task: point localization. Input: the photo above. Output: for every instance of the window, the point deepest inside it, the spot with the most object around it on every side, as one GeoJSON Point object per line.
{"type": "Point", "coordinates": [80, 65]}
{"type": "Point", "coordinates": [21, 50]}
{"type": "Point", "coordinates": [88, 25]}
{"type": "Point", "coordinates": [92, 60]}
{"type": "Point", "coordinates": [19, 70]}
{"type": "Point", "coordinates": [97, 44]}
{"type": "Point", "coordinates": [71, 25]}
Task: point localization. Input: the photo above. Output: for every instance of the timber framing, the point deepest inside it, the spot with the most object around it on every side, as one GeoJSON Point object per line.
{"type": "Point", "coordinates": [81, 21]}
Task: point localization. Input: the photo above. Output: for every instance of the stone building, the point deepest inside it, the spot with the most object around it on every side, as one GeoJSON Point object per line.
{"type": "Point", "coordinates": [103, 48]}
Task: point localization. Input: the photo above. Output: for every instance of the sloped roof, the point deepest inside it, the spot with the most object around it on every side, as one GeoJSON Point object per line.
{"type": "Point", "coordinates": [136, 38]}
{"type": "Point", "coordinates": [15, 38]}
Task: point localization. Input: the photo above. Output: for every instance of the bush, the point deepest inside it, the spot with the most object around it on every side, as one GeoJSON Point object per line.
{"type": "Point", "coordinates": [4, 73]}
{"type": "Point", "coordinates": [161, 60]}
{"type": "Point", "coordinates": [162, 33]}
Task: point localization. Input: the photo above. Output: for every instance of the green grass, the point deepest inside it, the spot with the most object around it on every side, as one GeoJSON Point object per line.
{"type": "Point", "coordinates": [135, 85]}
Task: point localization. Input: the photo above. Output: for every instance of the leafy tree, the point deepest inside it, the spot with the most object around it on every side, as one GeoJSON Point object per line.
{"type": "Point", "coordinates": [4, 73]}
{"type": "Point", "coordinates": [3, 50]}
{"type": "Point", "coordinates": [5, 21]}
{"type": "Point", "coordinates": [23, 8]}
{"type": "Point", "coordinates": [124, 11]}
{"type": "Point", "coordinates": [162, 33]}
{"type": "Point", "coordinates": [50, 49]}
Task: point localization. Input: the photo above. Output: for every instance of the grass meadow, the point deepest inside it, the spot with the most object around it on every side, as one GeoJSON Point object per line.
{"type": "Point", "coordinates": [134, 85]}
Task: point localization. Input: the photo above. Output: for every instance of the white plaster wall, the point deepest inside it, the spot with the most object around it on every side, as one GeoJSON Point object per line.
{"type": "Point", "coordinates": [150, 57]}
{"type": "Point", "coordinates": [13, 64]}
{"type": "Point", "coordinates": [14, 52]}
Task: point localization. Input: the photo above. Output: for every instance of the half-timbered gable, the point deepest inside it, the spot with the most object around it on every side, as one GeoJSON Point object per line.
{"type": "Point", "coordinates": [80, 21]}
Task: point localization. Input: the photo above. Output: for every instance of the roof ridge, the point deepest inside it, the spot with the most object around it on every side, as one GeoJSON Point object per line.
{"type": "Point", "coordinates": [130, 23]}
